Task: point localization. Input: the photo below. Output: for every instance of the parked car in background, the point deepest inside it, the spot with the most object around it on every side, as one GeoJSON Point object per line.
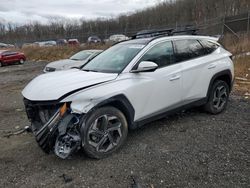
{"type": "Point", "coordinates": [11, 45]}
{"type": "Point", "coordinates": [118, 38]}
{"type": "Point", "coordinates": [45, 43]}
{"type": "Point", "coordinates": [75, 61]}
{"type": "Point", "coordinates": [3, 45]}
{"type": "Point", "coordinates": [25, 45]}
{"type": "Point", "coordinates": [48, 43]}
{"type": "Point", "coordinates": [61, 42]}
{"type": "Point", "coordinates": [10, 57]}
{"type": "Point", "coordinates": [94, 40]}
{"type": "Point", "coordinates": [73, 42]}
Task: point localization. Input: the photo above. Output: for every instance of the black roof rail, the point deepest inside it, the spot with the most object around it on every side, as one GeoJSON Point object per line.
{"type": "Point", "coordinates": [152, 33]}
{"type": "Point", "coordinates": [164, 32]}
{"type": "Point", "coordinates": [186, 31]}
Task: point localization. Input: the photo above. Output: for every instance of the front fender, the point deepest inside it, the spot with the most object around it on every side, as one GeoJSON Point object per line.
{"type": "Point", "coordinates": [85, 100]}
{"type": "Point", "coordinates": [84, 106]}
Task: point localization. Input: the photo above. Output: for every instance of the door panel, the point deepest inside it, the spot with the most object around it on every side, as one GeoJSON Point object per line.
{"type": "Point", "coordinates": [165, 89]}
{"type": "Point", "coordinates": [163, 86]}
{"type": "Point", "coordinates": [13, 57]}
{"type": "Point", "coordinates": [196, 70]}
{"type": "Point", "coordinates": [196, 77]}
{"type": "Point", "coordinates": [9, 57]}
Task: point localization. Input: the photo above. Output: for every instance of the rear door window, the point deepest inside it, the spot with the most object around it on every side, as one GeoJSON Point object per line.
{"type": "Point", "coordinates": [187, 49]}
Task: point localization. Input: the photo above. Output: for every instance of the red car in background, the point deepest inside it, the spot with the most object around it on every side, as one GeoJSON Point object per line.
{"type": "Point", "coordinates": [10, 57]}
{"type": "Point", "coordinates": [73, 42]}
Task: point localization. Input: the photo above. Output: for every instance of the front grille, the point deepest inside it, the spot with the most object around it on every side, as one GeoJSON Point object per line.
{"type": "Point", "coordinates": [34, 110]}
{"type": "Point", "coordinates": [30, 109]}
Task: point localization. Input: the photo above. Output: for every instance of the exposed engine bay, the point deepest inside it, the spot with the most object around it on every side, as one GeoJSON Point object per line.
{"type": "Point", "coordinates": [55, 128]}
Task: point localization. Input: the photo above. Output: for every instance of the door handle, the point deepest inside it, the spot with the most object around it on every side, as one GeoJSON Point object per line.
{"type": "Point", "coordinates": [175, 77]}
{"type": "Point", "coordinates": [211, 66]}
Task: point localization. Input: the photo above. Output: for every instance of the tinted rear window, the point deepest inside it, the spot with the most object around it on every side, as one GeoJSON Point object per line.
{"type": "Point", "coordinates": [209, 46]}
{"type": "Point", "coordinates": [187, 49]}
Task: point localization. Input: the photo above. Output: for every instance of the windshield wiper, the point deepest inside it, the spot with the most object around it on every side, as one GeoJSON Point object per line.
{"type": "Point", "coordinates": [88, 70]}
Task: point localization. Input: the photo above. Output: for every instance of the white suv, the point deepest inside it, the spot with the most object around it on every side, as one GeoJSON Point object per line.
{"type": "Point", "coordinates": [128, 85]}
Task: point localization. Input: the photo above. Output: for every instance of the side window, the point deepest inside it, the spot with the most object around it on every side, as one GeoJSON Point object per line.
{"type": "Point", "coordinates": [209, 46]}
{"type": "Point", "coordinates": [6, 53]}
{"type": "Point", "coordinates": [12, 53]}
{"type": "Point", "coordinates": [162, 54]}
{"type": "Point", "coordinates": [187, 49]}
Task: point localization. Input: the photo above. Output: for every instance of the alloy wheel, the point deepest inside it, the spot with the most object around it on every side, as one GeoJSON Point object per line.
{"type": "Point", "coordinates": [220, 97]}
{"type": "Point", "coordinates": [105, 133]}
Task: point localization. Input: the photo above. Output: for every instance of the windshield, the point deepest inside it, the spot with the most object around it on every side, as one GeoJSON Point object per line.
{"type": "Point", "coordinates": [81, 55]}
{"type": "Point", "coordinates": [114, 59]}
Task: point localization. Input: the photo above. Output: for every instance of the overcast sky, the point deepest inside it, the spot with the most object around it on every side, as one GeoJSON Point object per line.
{"type": "Point", "coordinates": [25, 11]}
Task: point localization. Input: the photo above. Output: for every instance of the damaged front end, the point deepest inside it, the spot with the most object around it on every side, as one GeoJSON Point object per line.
{"type": "Point", "coordinates": [55, 127]}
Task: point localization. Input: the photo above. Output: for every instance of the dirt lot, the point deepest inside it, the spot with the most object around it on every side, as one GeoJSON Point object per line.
{"type": "Point", "coordinates": [191, 149]}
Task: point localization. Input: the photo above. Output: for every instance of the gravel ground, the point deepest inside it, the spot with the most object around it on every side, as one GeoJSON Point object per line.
{"type": "Point", "coordinates": [189, 149]}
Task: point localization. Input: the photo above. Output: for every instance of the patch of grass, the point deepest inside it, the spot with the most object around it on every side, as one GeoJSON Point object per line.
{"type": "Point", "coordinates": [236, 45]}
{"type": "Point", "coordinates": [239, 47]}
{"type": "Point", "coordinates": [242, 70]}
{"type": "Point", "coordinates": [56, 52]}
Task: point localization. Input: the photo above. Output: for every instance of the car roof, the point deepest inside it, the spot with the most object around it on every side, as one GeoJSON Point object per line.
{"type": "Point", "coordinates": [145, 41]}
{"type": "Point", "coordinates": [178, 37]}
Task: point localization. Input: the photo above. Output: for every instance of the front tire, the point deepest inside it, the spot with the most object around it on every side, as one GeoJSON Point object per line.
{"type": "Point", "coordinates": [21, 61]}
{"type": "Point", "coordinates": [218, 97]}
{"type": "Point", "coordinates": [1, 64]}
{"type": "Point", "coordinates": [104, 132]}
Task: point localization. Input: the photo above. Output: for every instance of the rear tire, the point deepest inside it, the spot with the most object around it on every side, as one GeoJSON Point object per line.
{"type": "Point", "coordinates": [1, 64]}
{"type": "Point", "coordinates": [218, 97]}
{"type": "Point", "coordinates": [104, 132]}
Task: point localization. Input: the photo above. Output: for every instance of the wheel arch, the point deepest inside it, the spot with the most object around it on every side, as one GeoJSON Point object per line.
{"type": "Point", "coordinates": [225, 75]}
{"type": "Point", "coordinates": [122, 103]}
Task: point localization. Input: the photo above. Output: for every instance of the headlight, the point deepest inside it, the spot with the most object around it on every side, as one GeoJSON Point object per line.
{"type": "Point", "coordinates": [50, 69]}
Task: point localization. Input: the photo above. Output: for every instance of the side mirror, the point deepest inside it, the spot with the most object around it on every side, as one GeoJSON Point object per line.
{"type": "Point", "coordinates": [145, 66]}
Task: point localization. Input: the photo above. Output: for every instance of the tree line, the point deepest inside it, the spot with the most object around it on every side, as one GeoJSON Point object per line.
{"type": "Point", "coordinates": [167, 13]}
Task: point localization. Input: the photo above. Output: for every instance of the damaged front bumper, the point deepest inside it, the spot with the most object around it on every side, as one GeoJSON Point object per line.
{"type": "Point", "coordinates": [61, 132]}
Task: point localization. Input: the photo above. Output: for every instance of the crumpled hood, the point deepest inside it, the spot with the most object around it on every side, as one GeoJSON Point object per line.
{"type": "Point", "coordinates": [54, 85]}
{"type": "Point", "coordinates": [65, 64]}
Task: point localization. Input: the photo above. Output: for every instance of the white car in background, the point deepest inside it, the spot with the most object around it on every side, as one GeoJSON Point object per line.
{"type": "Point", "coordinates": [117, 38]}
{"type": "Point", "coordinates": [3, 45]}
{"type": "Point", "coordinates": [75, 61]}
{"type": "Point", "coordinates": [45, 43]}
